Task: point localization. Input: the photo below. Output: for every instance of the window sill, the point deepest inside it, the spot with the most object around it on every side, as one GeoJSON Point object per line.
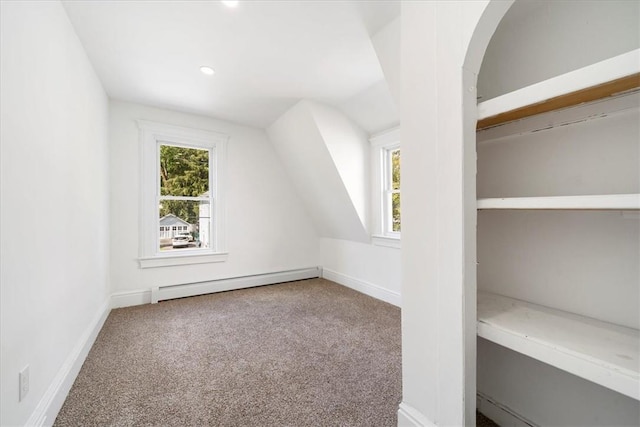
{"type": "Point", "coordinates": [390, 242]}
{"type": "Point", "coordinates": [173, 260]}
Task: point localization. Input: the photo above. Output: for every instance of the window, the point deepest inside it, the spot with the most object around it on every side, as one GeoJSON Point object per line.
{"type": "Point", "coordinates": [391, 202]}
{"type": "Point", "coordinates": [182, 203]}
{"type": "Point", "coordinates": [386, 188]}
{"type": "Point", "coordinates": [184, 197]}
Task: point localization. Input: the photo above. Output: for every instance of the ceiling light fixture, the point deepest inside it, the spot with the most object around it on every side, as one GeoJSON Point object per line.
{"type": "Point", "coordinates": [230, 3]}
{"type": "Point", "coordinates": [207, 70]}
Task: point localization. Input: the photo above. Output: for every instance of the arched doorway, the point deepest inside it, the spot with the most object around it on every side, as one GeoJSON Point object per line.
{"type": "Point", "coordinates": [543, 264]}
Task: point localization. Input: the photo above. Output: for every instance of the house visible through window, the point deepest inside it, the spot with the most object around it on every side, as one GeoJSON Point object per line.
{"type": "Point", "coordinates": [183, 196]}
{"type": "Point", "coordinates": [386, 165]}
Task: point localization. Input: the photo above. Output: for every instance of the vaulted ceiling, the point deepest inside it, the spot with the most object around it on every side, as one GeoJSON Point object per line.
{"type": "Point", "coordinates": [267, 55]}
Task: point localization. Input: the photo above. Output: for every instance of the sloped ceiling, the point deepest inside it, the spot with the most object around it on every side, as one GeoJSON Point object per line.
{"type": "Point", "coordinates": [268, 55]}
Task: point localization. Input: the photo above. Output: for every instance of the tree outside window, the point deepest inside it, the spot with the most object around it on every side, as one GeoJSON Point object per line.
{"type": "Point", "coordinates": [184, 196]}
{"type": "Point", "coordinates": [392, 210]}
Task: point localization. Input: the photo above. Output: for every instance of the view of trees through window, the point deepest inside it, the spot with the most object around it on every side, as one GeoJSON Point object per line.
{"type": "Point", "coordinates": [184, 202]}
{"type": "Point", "coordinates": [395, 189]}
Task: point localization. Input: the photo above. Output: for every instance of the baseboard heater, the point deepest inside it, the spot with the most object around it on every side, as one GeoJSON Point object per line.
{"type": "Point", "coordinates": [162, 293]}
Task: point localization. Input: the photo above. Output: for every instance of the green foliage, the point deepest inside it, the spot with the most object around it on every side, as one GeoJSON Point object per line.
{"type": "Point", "coordinates": [395, 182]}
{"type": "Point", "coordinates": [183, 172]}
{"type": "Point", "coordinates": [395, 169]}
{"type": "Point", "coordinates": [395, 211]}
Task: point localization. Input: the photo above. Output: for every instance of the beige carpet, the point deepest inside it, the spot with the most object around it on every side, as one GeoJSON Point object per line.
{"type": "Point", "coordinates": [308, 353]}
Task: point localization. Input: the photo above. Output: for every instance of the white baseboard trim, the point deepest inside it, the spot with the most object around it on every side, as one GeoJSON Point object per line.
{"type": "Point", "coordinates": [501, 414]}
{"type": "Point", "coordinates": [366, 288]}
{"type": "Point", "coordinates": [408, 416]}
{"type": "Point", "coordinates": [130, 298]}
{"type": "Point", "coordinates": [208, 287]}
{"type": "Point", "coordinates": [47, 409]}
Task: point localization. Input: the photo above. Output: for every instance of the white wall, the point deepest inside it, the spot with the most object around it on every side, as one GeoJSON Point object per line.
{"type": "Point", "coordinates": [309, 164]}
{"type": "Point", "coordinates": [373, 109]}
{"type": "Point", "coordinates": [328, 158]}
{"type": "Point", "coordinates": [541, 39]}
{"type": "Point", "coordinates": [565, 260]}
{"type": "Point", "coordinates": [548, 396]}
{"type": "Point", "coordinates": [348, 146]}
{"type": "Point", "coordinates": [386, 42]}
{"type": "Point", "coordinates": [268, 228]}
{"type": "Point", "coordinates": [438, 213]}
{"type": "Point", "coordinates": [371, 269]}
{"type": "Point", "coordinates": [54, 202]}
{"type": "Point", "coordinates": [593, 157]}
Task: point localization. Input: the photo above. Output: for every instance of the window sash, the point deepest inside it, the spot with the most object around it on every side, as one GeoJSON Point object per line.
{"type": "Point", "coordinates": [208, 199]}
{"type": "Point", "coordinates": [388, 190]}
{"type": "Point", "coordinates": [153, 135]}
{"type": "Point", "coordinates": [382, 145]}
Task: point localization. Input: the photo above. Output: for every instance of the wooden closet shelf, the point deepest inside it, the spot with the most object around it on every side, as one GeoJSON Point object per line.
{"type": "Point", "coordinates": [610, 77]}
{"type": "Point", "coordinates": [597, 202]}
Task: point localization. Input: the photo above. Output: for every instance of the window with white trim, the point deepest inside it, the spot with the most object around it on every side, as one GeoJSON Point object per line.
{"type": "Point", "coordinates": [182, 204]}
{"type": "Point", "coordinates": [391, 202]}
{"type": "Point", "coordinates": [386, 188]}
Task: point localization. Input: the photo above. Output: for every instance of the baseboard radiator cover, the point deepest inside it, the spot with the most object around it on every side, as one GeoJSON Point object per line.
{"type": "Point", "coordinates": [501, 414]}
{"type": "Point", "coordinates": [163, 293]}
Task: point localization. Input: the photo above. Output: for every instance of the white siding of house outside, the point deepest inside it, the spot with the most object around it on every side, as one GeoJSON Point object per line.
{"type": "Point", "coordinates": [171, 226]}
{"type": "Point", "coordinates": [204, 224]}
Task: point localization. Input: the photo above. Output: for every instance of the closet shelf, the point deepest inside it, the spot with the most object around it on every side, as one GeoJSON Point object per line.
{"type": "Point", "coordinates": [600, 352]}
{"type": "Point", "coordinates": [597, 202]}
{"type": "Point", "coordinates": [606, 78]}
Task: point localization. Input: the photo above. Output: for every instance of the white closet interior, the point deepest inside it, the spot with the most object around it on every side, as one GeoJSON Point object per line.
{"type": "Point", "coordinates": [558, 189]}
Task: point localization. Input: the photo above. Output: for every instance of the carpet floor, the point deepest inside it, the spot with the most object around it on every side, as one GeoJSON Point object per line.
{"type": "Point", "coordinates": [307, 353]}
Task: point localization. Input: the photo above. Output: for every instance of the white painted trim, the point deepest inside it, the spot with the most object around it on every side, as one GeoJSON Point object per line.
{"type": "Point", "coordinates": [52, 400]}
{"type": "Point", "coordinates": [162, 293]}
{"type": "Point", "coordinates": [182, 259]}
{"type": "Point", "coordinates": [366, 288]}
{"type": "Point", "coordinates": [388, 241]}
{"type": "Point", "coordinates": [130, 298]}
{"type": "Point", "coordinates": [151, 136]}
{"type": "Point", "coordinates": [591, 75]}
{"type": "Point", "coordinates": [408, 416]}
{"type": "Point", "coordinates": [180, 132]}
{"type": "Point", "coordinates": [500, 414]}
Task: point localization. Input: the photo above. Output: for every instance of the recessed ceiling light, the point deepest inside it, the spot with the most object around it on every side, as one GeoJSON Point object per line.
{"type": "Point", "coordinates": [230, 3]}
{"type": "Point", "coordinates": [207, 70]}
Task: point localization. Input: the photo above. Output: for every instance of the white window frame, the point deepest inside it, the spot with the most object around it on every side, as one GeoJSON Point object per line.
{"type": "Point", "coordinates": [381, 146]}
{"type": "Point", "coordinates": [152, 136]}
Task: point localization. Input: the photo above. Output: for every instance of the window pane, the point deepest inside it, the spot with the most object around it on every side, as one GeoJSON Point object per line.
{"type": "Point", "coordinates": [395, 169]}
{"type": "Point", "coordinates": [183, 171]}
{"type": "Point", "coordinates": [184, 224]}
{"type": "Point", "coordinates": [395, 212]}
